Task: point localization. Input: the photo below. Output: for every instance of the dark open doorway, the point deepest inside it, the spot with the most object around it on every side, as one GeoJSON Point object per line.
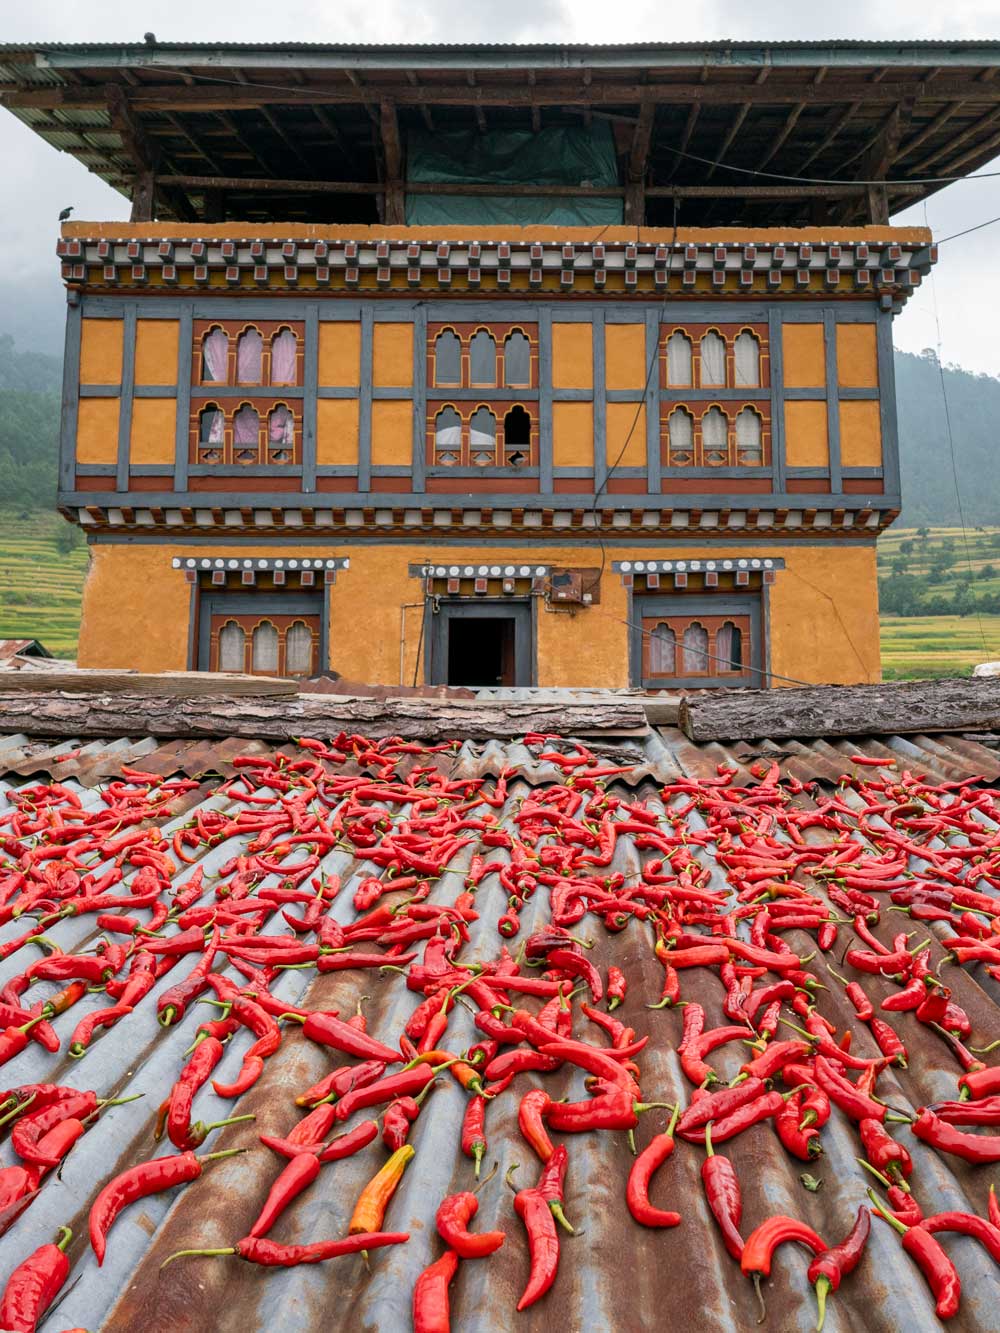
{"type": "Point", "coordinates": [481, 644]}
{"type": "Point", "coordinates": [481, 652]}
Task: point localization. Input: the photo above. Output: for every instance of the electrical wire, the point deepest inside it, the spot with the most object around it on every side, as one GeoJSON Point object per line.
{"type": "Point", "coordinates": [951, 452]}
{"type": "Point", "coordinates": [967, 232]}
{"type": "Point", "coordinates": [829, 180]}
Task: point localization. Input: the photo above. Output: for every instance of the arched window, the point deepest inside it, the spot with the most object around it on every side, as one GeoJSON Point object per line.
{"type": "Point", "coordinates": [246, 433]}
{"type": "Point", "coordinates": [663, 651]}
{"type": "Point", "coordinates": [232, 647]}
{"type": "Point", "coordinates": [215, 357]}
{"type": "Point", "coordinates": [715, 437]}
{"type": "Point", "coordinates": [482, 359]}
{"type": "Point", "coordinates": [284, 347]}
{"type": "Point", "coordinates": [746, 360]}
{"type": "Point", "coordinates": [210, 425]}
{"type": "Point", "coordinates": [483, 437]}
{"type": "Point", "coordinates": [447, 437]}
{"type": "Point", "coordinates": [695, 650]}
{"type": "Point", "coordinates": [713, 361]}
{"type": "Point", "coordinates": [729, 647]}
{"type": "Point", "coordinates": [681, 429]}
{"type": "Point", "coordinates": [298, 649]}
{"type": "Point", "coordinates": [749, 446]}
{"type": "Point", "coordinates": [280, 434]}
{"type": "Point", "coordinates": [679, 360]}
{"type": "Point", "coordinates": [249, 357]}
{"type": "Point", "coordinates": [447, 359]}
{"type": "Point", "coordinates": [516, 360]}
{"type": "Point", "coordinates": [517, 436]}
{"type": "Point", "coordinates": [265, 648]}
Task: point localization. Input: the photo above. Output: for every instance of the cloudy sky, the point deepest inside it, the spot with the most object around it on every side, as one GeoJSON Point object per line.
{"type": "Point", "coordinates": [963, 296]}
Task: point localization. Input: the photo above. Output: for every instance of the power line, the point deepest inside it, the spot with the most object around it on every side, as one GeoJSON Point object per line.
{"type": "Point", "coordinates": [967, 232]}
{"type": "Point", "coordinates": [829, 180]}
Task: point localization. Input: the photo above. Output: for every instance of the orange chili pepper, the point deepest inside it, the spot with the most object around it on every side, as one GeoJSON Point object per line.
{"type": "Point", "coordinates": [375, 1197]}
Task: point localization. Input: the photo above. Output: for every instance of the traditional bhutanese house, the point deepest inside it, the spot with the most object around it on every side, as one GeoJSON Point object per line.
{"type": "Point", "coordinates": [493, 365]}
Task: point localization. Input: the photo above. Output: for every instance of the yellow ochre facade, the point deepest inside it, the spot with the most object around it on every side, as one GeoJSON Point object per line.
{"type": "Point", "coordinates": [520, 457]}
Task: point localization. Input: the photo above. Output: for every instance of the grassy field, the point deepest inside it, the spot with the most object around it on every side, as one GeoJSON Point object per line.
{"type": "Point", "coordinates": [41, 583]}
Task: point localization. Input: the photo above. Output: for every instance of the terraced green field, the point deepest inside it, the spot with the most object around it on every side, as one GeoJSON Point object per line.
{"type": "Point", "coordinates": [40, 584]}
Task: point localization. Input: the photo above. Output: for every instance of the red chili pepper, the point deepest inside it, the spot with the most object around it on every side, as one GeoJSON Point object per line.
{"type": "Point", "coordinates": [138, 1182]}
{"type": "Point", "coordinates": [453, 1217]}
{"type": "Point", "coordinates": [269, 1254]}
{"type": "Point", "coordinates": [828, 1269]}
{"type": "Point", "coordinates": [884, 1153]}
{"type": "Point", "coordinates": [660, 1147]}
{"type": "Point", "coordinates": [535, 1207]}
{"type": "Point", "coordinates": [722, 1192]}
{"type": "Point", "coordinates": [761, 1244]}
{"type": "Point", "coordinates": [431, 1308]}
{"type": "Point", "coordinates": [975, 1148]}
{"type": "Point", "coordinates": [982, 1083]}
{"type": "Point", "coordinates": [708, 1106]}
{"type": "Point", "coordinates": [298, 1174]}
{"type": "Point", "coordinates": [967, 1224]}
{"type": "Point", "coordinates": [941, 1274]}
{"type": "Point", "coordinates": [473, 1130]}
{"type": "Point", "coordinates": [404, 1084]}
{"type": "Point", "coordinates": [329, 1030]}
{"type": "Point", "coordinates": [34, 1285]}
{"type": "Point", "coordinates": [802, 1143]}
{"type": "Point", "coordinates": [341, 1081]}
{"type": "Point", "coordinates": [617, 987]}
{"type": "Point", "coordinates": [530, 1118]}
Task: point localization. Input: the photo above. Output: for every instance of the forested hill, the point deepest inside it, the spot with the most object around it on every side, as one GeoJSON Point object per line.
{"type": "Point", "coordinates": [29, 424]}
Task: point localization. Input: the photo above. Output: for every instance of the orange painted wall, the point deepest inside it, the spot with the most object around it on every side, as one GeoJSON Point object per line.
{"type": "Point", "coordinates": [823, 609]}
{"type": "Point", "coordinates": [336, 431]}
{"type": "Point", "coordinates": [156, 351]}
{"type": "Point", "coordinates": [860, 433]}
{"type": "Point", "coordinates": [101, 351]}
{"type": "Point", "coordinates": [572, 356]}
{"type": "Point", "coordinates": [857, 356]}
{"type": "Point", "coordinates": [153, 430]}
{"type": "Point", "coordinates": [97, 430]}
{"type": "Point", "coordinates": [339, 354]}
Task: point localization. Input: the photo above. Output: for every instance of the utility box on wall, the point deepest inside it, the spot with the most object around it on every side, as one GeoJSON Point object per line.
{"type": "Point", "coordinates": [575, 587]}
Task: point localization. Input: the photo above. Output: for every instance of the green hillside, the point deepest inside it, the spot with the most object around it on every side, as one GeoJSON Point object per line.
{"type": "Point", "coordinates": [42, 566]}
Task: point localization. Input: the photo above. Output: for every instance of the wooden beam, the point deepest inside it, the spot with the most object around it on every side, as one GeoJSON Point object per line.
{"type": "Point", "coordinates": [393, 150]}
{"type": "Point", "coordinates": [164, 684]}
{"type": "Point", "coordinates": [775, 92]}
{"type": "Point", "coordinates": [877, 163]}
{"type": "Point", "coordinates": [280, 719]}
{"type": "Point", "coordinates": [831, 134]}
{"type": "Point", "coordinates": [731, 134]}
{"type": "Point", "coordinates": [939, 121]}
{"type": "Point", "coordinates": [790, 122]}
{"type": "Point", "coordinates": [638, 159]}
{"type": "Point", "coordinates": [254, 185]}
{"type": "Point", "coordinates": [842, 710]}
{"type": "Point", "coordinates": [689, 124]}
{"type": "Point", "coordinates": [978, 126]}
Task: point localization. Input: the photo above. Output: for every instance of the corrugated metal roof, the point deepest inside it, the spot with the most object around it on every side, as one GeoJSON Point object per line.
{"type": "Point", "coordinates": [614, 1276]}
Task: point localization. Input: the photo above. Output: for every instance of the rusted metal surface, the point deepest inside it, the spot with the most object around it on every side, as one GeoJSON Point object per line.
{"type": "Point", "coordinates": [615, 1276]}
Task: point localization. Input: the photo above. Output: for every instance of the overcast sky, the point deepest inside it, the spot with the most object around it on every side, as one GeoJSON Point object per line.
{"type": "Point", "coordinates": [39, 181]}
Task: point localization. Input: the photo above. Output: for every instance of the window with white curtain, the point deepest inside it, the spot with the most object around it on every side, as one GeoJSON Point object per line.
{"type": "Point", "coordinates": [679, 360]}
{"type": "Point", "coordinates": [746, 360]}
{"type": "Point", "coordinates": [715, 436]}
{"type": "Point", "coordinates": [249, 357]}
{"type": "Point", "coordinates": [749, 438]}
{"type": "Point", "coordinates": [681, 431]}
{"type": "Point", "coordinates": [284, 347]}
{"type": "Point", "coordinates": [729, 647]}
{"type": "Point", "coordinates": [447, 359]}
{"type": "Point", "coordinates": [298, 649]}
{"type": "Point", "coordinates": [447, 436]}
{"type": "Point", "coordinates": [280, 430]}
{"type": "Point", "coordinates": [482, 359]}
{"type": "Point", "coordinates": [695, 650]}
{"type": "Point", "coordinates": [232, 646]}
{"type": "Point", "coordinates": [215, 357]}
{"type": "Point", "coordinates": [713, 361]}
{"type": "Point", "coordinates": [265, 648]}
{"type": "Point", "coordinates": [663, 651]}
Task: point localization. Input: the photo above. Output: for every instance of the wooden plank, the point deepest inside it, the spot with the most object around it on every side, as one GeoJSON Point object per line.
{"type": "Point", "coordinates": [268, 719]}
{"type": "Point", "coordinates": [843, 710]}
{"type": "Point", "coordinates": [176, 684]}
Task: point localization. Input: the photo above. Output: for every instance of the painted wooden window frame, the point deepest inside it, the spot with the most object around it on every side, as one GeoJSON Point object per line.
{"type": "Point", "coordinates": [216, 606]}
{"type": "Point", "coordinates": [234, 329]}
{"type": "Point", "coordinates": [712, 610]}
{"type": "Point", "coordinates": [440, 611]}
{"type": "Point", "coordinates": [197, 451]}
{"type": "Point", "coordinates": [466, 410]}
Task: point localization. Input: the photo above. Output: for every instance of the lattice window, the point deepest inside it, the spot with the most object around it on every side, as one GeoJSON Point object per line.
{"type": "Point", "coordinates": [679, 360]}
{"type": "Point", "coordinates": [714, 435]}
{"type": "Point", "coordinates": [270, 645]}
{"type": "Point", "coordinates": [746, 360]}
{"type": "Point", "coordinates": [236, 354]}
{"type": "Point", "coordinates": [474, 356]}
{"type": "Point", "coordinates": [482, 360]}
{"type": "Point", "coordinates": [702, 647]}
{"type": "Point", "coordinates": [517, 360]}
{"type": "Point", "coordinates": [480, 435]}
{"type": "Point", "coordinates": [713, 361]}
{"type": "Point", "coordinates": [714, 356]}
{"type": "Point", "coordinates": [284, 357]}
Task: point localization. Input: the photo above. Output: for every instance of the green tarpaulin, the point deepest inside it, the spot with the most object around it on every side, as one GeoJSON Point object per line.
{"type": "Point", "coordinates": [556, 156]}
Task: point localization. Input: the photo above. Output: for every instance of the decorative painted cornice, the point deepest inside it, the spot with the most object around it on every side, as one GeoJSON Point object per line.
{"type": "Point", "coordinates": [887, 270]}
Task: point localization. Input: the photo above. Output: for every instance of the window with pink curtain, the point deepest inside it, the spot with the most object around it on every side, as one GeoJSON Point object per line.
{"type": "Point", "coordinates": [280, 429]}
{"type": "Point", "coordinates": [214, 357]}
{"type": "Point", "coordinates": [729, 647]}
{"type": "Point", "coordinates": [210, 425]}
{"type": "Point", "coordinates": [249, 357]}
{"type": "Point", "coordinates": [246, 427]}
{"type": "Point", "coordinates": [283, 349]}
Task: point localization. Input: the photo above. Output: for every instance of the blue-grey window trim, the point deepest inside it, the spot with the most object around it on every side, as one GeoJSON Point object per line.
{"type": "Point", "coordinates": [70, 397]}
{"type": "Point", "coordinates": [155, 391]}
{"type": "Point", "coordinates": [338, 391]}
{"type": "Point", "coordinates": [481, 395]}
{"type": "Point", "coordinates": [888, 418]}
{"type": "Point", "coordinates": [125, 407]}
{"type": "Point", "coordinates": [750, 394]}
{"type": "Point", "coordinates": [241, 470]}
{"type": "Point", "coordinates": [365, 404]}
{"type": "Point", "coordinates": [100, 390]}
{"type": "Point", "coordinates": [418, 458]}
{"type": "Point", "coordinates": [310, 377]}
{"type": "Point", "coordinates": [776, 378]}
{"type": "Point", "coordinates": [182, 438]}
{"type": "Point", "coordinates": [544, 393]}
{"type": "Point", "coordinates": [600, 427]}
{"type": "Point", "coordinates": [832, 399]}
{"type": "Point", "coordinates": [289, 391]}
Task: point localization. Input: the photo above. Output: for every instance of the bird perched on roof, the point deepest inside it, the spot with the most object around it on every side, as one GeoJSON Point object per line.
{"type": "Point", "coordinates": [149, 38]}
{"type": "Point", "coordinates": [65, 213]}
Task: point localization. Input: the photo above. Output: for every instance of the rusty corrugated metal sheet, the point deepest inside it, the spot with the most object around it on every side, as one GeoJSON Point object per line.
{"type": "Point", "coordinates": [614, 1276]}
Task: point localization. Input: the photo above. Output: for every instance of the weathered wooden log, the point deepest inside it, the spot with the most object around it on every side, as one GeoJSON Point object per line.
{"type": "Point", "coordinates": [180, 684]}
{"type": "Point", "coordinates": [842, 710]}
{"type": "Point", "coordinates": [81, 715]}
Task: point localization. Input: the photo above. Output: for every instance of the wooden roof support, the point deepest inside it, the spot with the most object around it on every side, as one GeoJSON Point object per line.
{"type": "Point", "coordinates": [776, 91]}
{"type": "Point", "coordinates": [686, 134]}
{"type": "Point", "coordinates": [978, 126]}
{"type": "Point", "coordinates": [878, 161]}
{"type": "Point", "coordinates": [395, 214]}
{"type": "Point", "coordinates": [144, 158]}
{"type": "Point", "coordinates": [731, 134]}
{"type": "Point", "coordinates": [847, 114]}
{"type": "Point", "coordinates": [425, 110]}
{"type": "Point", "coordinates": [930, 129]}
{"type": "Point", "coordinates": [635, 192]}
{"type": "Point", "coordinates": [476, 102]}
{"type": "Point", "coordinates": [790, 122]}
